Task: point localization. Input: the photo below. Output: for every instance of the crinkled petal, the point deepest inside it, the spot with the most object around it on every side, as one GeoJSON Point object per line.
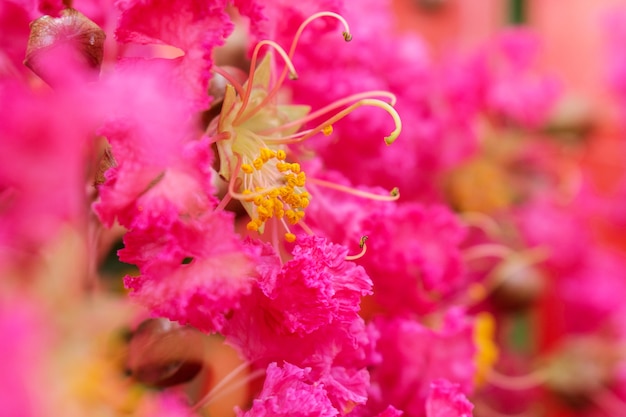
{"type": "Point", "coordinates": [447, 400]}
{"type": "Point", "coordinates": [291, 391]}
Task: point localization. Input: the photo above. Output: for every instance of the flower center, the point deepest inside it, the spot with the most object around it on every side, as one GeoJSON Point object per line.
{"type": "Point", "coordinates": [253, 129]}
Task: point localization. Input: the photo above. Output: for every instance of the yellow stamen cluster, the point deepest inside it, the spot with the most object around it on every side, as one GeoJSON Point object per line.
{"type": "Point", "coordinates": [487, 350]}
{"type": "Point", "coordinates": [286, 201]}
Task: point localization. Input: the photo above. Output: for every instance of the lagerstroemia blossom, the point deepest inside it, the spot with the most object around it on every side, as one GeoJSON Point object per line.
{"type": "Point", "coordinates": [328, 336]}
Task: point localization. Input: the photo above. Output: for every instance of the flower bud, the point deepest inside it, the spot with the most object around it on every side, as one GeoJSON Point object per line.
{"type": "Point", "coordinates": [520, 287]}
{"type": "Point", "coordinates": [162, 353]}
{"type": "Point", "coordinates": [581, 368]}
{"type": "Point", "coordinates": [65, 50]}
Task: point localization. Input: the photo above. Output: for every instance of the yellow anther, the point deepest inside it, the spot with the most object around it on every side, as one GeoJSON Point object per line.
{"type": "Point", "coordinates": [395, 192]}
{"type": "Point", "coordinates": [305, 194]}
{"type": "Point", "coordinates": [282, 166]}
{"type": "Point", "coordinates": [487, 350]}
{"type": "Point", "coordinates": [247, 168]}
{"type": "Point", "coordinates": [290, 237]}
{"type": "Point", "coordinates": [304, 202]}
{"type": "Point", "coordinates": [295, 167]}
{"type": "Point", "coordinates": [247, 192]}
{"type": "Point", "coordinates": [268, 204]}
{"type": "Point", "coordinates": [253, 226]}
{"type": "Point", "coordinates": [327, 130]}
{"type": "Point", "coordinates": [267, 154]}
{"type": "Point", "coordinates": [258, 200]}
{"type": "Point", "coordinates": [281, 155]}
{"type": "Point", "coordinates": [284, 191]}
{"type": "Point", "coordinates": [299, 215]}
{"type": "Point", "coordinates": [291, 216]}
{"type": "Point", "coordinates": [264, 213]}
{"type": "Point", "coordinates": [301, 179]}
{"type": "Point", "coordinates": [258, 163]}
{"type": "Point", "coordinates": [280, 213]}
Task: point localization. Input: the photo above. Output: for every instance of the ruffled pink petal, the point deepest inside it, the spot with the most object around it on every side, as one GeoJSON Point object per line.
{"type": "Point", "coordinates": [419, 247]}
{"type": "Point", "coordinates": [291, 391]}
{"type": "Point", "coordinates": [318, 287]}
{"type": "Point", "coordinates": [447, 400]}
{"type": "Point", "coordinates": [192, 271]}
{"type": "Point", "coordinates": [157, 160]}
{"type": "Point", "coordinates": [195, 27]}
{"type": "Point", "coordinates": [276, 322]}
{"type": "Point", "coordinates": [413, 356]}
{"type": "Point", "coordinates": [42, 175]}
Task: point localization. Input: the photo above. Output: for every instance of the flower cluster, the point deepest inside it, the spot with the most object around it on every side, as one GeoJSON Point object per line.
{"type": "Point", "coordinates": [266, 208]}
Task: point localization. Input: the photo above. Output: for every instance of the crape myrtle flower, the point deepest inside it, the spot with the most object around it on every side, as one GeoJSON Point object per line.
{"type": "Point", "coordinates": [414, 356]}
{"type": "Point", "coordinates": [290, 391]}
{"type": "Point", "coordinates": [193, 26]}
{"type": "Point", "coordinates": [193, 268]}
{"type": "Point", "coordinates": [446, 400]}
{"type": "Point", "coordinates": [418, 245]}
{"type": "Point", "coordinates": [253, 130]}
{"type": "Point", "coordinates": [396, 63]}
{"type": "Point", "coordinates": [54, 151]}
{"type": "Point", "coordinates": [306, 312]}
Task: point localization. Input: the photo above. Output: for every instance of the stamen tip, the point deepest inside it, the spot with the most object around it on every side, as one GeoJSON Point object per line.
{"type": "Point", "coordinates": [395, 192]}
{"type": "Point", "coordinates": [347, 36]}
{"type": "Point", "coordinates": [390, 139]}
{"type": "Point", "coordinates": [293, 76]}
{"type": "Point", "coordinates": [362, 241]}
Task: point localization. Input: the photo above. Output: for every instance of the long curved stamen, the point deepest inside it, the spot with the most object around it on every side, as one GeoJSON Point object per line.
{"type": "Point", "coordinates": [359, 255]}
{"type": "Point", "coordinates": [487, 250]}
{"type": "Point", "coordinates": [394, 195]}
{"type": "Point", "coordinates": [346, 32]}
{"type": "Point", "coordinates": [241, 196]}
{"type": "Point", "coordinates": [517, 383]}
{"type": "Point", "coordinates": [219, 137]}
{"type": "Point", "coordinates": [514, 262]}
{"type": "Point", "coordinates": [211, 395]}
{"type": "Point", "coordinates": [238, 87]}
{"type": "Point", "coordinates": [346, 35]}
{"type": "Point", "coordinates": [283, 140]}
{"type": "Point", "coordinates": [481, 221]}
{"type": "Point", "coordinates": [365, 102]}
{"type": "Point", "coordinates": [250, 82]}
{"type": "Point", "coordinates": [333, 106]}
{"type": "Point", "coordinates": [487, 411]}
{"type": "Point", "coordinates": [306, 228]}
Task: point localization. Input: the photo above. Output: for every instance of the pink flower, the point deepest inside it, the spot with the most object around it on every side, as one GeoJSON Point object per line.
{"type": "Point", "coordinates": [192, 271]}
{"type": "Point", "coordinates": [23, 335]}
{"type": "Point", "coordinates": [557, 227]}
{"type": "Point", "coordinates": [593, 294]}
{"type": "Point", "coordinates": [398, 64]}
{"type": "Point", "coordinates": [447, 400]}
{"type": "Point", "coordinates": [42, 175]}
{"type": "Point", "coordinates": [516, 91]}
{"type": "Point", "coordinates": [195, 27]}
{"type": "Point", "coordinates": [279, 19]}
{"type": "Point", "coordinates": [291, 391]}
{"type": "Point", "coordinates": [414, 257]}
{"type": "Point", "coordinates": [156, 160]}
{"type": "Point", "coordinates": [413, 356]}
{"type": "Point", "coordinates": [306, 313]}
